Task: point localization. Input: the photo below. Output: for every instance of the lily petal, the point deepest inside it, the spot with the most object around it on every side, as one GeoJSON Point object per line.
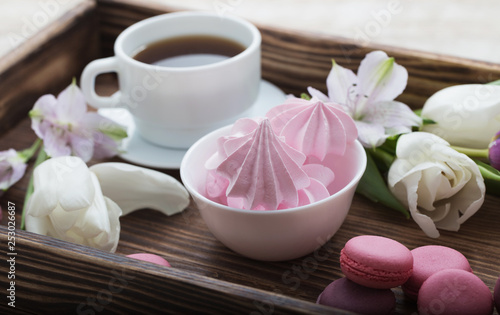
{"type": "Point", "coordinates": [339, 82]}
{"type": "Point", "coordinates": [380, 78]}
{"type": "Point", "coordinates": [317, 94]}
{"type": "Point", "coordinates": [70, 105]}
{"type": "Point", "coordinates": [370, 135]}
{"type": "Point", "coordinates": [395, 117]}
{"type": "Point", "coordinates": [133, 188]}
{"type": "Point", "coordinates": [55, 143]}
{"type": "Point", "coordinates": [82, 146]}
{"type": "Point", "coordinates": [44, 107]}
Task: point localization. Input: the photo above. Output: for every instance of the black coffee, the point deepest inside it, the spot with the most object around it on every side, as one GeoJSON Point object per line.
{"type": "Point", "coordinates": [189, 51]}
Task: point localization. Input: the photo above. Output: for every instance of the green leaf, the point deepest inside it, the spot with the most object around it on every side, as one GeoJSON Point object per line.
{"type": "Point", "coordinates": [491, 178]}
{"type": "Point", "coordinates": [497, 82]}
{"type": "Point", "coordinates": [383, 159]}
{"type": "Point", "coordinates": [305, 96]}
{"type": "Point", "coordinates": [27, 154]}
{"type": "Point", "coordinates": [116, 133]}
{"type": "Point", "coordinates": [373, 186]}
{"type": "Point", "coordinates": [427, 121]}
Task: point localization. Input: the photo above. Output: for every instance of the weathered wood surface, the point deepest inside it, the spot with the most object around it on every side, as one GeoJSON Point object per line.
{"type": "Point", "coordinates": [59, 277]}
{"type": "Point", "coordinates": [47, 62]}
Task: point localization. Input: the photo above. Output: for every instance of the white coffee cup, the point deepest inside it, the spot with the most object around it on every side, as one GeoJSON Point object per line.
{"type": "Point", "coordinates": [175, 106]}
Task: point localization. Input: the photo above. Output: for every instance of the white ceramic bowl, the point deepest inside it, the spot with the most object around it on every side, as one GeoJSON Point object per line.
{"type": "Point", "coordinates": [274, 235]}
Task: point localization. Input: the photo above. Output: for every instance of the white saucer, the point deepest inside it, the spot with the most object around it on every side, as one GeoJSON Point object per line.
{"type": "Point", "coordinates": [139, 151]}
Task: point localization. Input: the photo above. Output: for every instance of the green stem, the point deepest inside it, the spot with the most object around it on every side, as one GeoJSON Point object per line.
{"type": "Point", "coordinates": [491, 178]}
{"type": "Point", "coordinates": [477, 153]}
{"type": "Point", "coordinates": [382, 155]}
{"type": "Point", "coordinates": [42, 156]}
{"type": "Point", "coordinates": [497, 82]}
{"type": "Point", "coordinates": [27, 154]}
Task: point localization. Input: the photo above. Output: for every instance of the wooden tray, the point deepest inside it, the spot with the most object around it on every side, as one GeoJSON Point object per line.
{"type": "Point", "coordinates": [56, 277]}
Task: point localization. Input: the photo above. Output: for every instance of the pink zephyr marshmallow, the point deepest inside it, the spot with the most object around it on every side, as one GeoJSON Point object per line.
{"type": "Point", "coordinates": [155, 259]}
{"type": "Point", "coordinates": [283, 160]}
{"type": "Point", "coordinates": [313, 127]}
{"type": "Point", "coordinates": [254, 169]}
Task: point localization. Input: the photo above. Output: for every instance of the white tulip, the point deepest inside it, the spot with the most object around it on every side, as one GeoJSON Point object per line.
{"type": "Point", "coordinates": [441, 187]}
{"type": "Point", "coordinates": [465, 115]}
{"type": "Point", "coordinates": [74, 203]}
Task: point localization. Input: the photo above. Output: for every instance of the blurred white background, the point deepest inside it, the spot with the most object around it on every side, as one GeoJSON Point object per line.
{"type": "Point", "coordinates": [463, 28]}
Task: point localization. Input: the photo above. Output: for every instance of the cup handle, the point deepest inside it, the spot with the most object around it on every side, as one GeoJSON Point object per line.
{"type": "Point", "coordinates": [87, 81]}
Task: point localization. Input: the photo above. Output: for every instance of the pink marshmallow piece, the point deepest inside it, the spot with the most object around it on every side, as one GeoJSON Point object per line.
{"type": "Point", "coordinates": [155, 259]}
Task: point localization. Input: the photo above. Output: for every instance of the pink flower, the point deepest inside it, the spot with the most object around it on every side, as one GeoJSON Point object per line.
{"type": "Point", "coordinates": [368, 97]}
{"type": "Point", "coordinates": [12, 168]}
{"type": "Point", "coordinates": [66, 127]}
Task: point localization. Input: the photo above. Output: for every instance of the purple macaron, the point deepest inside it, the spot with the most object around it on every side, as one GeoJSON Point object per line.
{"type": "Point", "coordinates": [428, 260]}
{"type": "Point", "coordinates": [454, 292]}
{"type": "Point", "coordinates": [350, 296]}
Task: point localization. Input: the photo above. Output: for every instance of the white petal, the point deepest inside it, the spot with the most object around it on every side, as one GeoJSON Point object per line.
{"type": "Point", "coordinates": [108, 240]}
{"type": "Point", "coordinates": [449, 221]}
{"type": "Point", "coordinates": [63, 220]}
{"type": "Point", "coordinates": [40, 225]}
{"type": "Point", "coordinates": [380, 77]}
{"type": "Point", "coordinates": [418, 143]}
{"type": "Point", "coordinates": [318, 94]}
{"type": "Point", "coordinates": [466, 115]}
{"type": "Point", "coordinates": [42, 202]}
{"type": "Point", "coordinates": [95, 219]}
{"type": "Point", "coordinates": [394, 116]}
{"type": "Point", "coordinates": [339, 82]}
{"type": "Point", "coordinates": [406, 191]}
{"type": "Point", "coordinates": [68, 178]}
{"type": "Point", "coordinates": [71, 105]}
{"type": "Point", "coordinates": [370, 135]}
{"type": "Point", "coordinates": [133, 188]}
{"type": "Point", "coordinates": [450, 188]}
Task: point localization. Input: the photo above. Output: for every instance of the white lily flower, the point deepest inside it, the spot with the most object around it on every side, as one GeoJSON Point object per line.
{"type": "Point", "coordinates": [368, 97]}
{"type": "Point", "coordinates": [70, 201]}
{"type": "Point", "coordinates": [441, 187]}
{"type": "Point", "coordinates": [466, 115]}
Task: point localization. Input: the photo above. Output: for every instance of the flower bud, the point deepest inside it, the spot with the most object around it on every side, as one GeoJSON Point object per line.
{"type": "Point", "coordinates": [494, 151]}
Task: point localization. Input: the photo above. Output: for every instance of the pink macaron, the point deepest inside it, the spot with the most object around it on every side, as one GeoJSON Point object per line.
{"type": "Point", "coordinates": [454, 292]}
{"type": "Point", "coordinates": [155, 259]}
{"type": "Point", "coordinates": [376, 262]}
{"type": "Point", "coordinates": [497, 295]}
{"type": "Point", "coordinates": [428, 260]}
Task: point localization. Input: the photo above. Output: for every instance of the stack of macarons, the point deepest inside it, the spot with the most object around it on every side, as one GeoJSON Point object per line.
{"type": "Point", "coordinates": [372, 266]}
{"type": "Point", "coordinates": [439, 278]}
